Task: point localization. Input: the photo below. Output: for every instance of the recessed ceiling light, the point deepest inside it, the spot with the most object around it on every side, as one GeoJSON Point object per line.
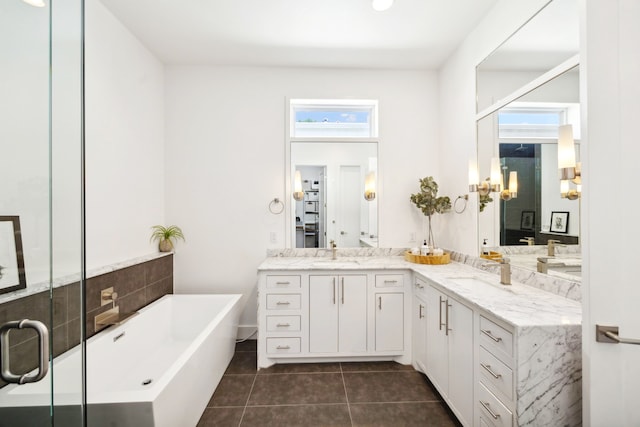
{"type": "Point", "coordinates": [381, 5]}
{"type": "Point", "coordinates": [36, 3]}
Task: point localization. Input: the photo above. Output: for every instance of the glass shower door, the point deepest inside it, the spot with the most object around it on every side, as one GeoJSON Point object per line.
{"type": "Point", "coordinates": [41, 247]}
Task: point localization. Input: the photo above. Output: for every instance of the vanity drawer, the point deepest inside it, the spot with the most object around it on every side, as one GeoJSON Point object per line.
{"type": "Point", "coordinates": [283, 301]}
{"type": "Point", "coordinates": [283, 282]}
{"type": "Point", "coordinates": [283, 323]}
{"type": "Point", "coordinates": [495, 374]}
{"type": "Point", "coordinates": [389, 280]}
{"type": "Point", "coordinates": [495, 337]}
{"type": "Point", "coordinates": [492, 410]}
{"type": "Point", "coordinates": [283, 345]}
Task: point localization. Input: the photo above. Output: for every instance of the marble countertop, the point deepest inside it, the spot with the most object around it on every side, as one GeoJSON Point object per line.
{"type": "Point", "coordinates": [518, 304]}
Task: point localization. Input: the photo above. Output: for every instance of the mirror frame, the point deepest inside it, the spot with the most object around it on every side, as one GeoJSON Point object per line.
{"type": "Point", "coordinates": [14, 251]}
{"type": "Point", "coordinates": [565, 66]}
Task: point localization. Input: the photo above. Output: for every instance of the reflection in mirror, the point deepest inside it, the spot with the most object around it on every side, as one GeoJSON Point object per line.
{"type": "Point", "coordinates": [545, 41]}
{"type": "Point", "coordinates": [334, 206]}
{"type": "Point", "coordinates": [524, 136]}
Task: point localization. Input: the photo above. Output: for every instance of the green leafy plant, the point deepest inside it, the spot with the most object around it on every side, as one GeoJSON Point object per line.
{"type": "Point", "coordinates": [429, 203]}
{"type": "Point", "coordinates": [166, 236]}
{"type": "Point", "coordinates": [484, 199]}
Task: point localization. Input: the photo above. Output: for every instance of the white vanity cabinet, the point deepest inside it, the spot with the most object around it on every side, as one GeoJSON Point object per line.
{"type": "Point", "coordinates": [495, 389]}
{"type": "Point", "coordinates": [419, 325]}
{"type": "Point", "coordinates": [449, 351]}
{"type": "Point", "coordinates": [389, 322]}
{"type": "Point", "coordinates": [333, 315]}
{"type": "Point", "coordinates": [337, 313]}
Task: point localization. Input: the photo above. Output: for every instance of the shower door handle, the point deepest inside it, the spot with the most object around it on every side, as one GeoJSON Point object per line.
{"type": "Point", "coordinates": [43, 351]}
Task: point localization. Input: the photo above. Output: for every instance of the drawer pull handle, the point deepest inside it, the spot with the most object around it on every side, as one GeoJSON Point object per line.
{"type": "Point", "coordinates": [390, 281]}
{"type": "Point", "coordinates": [283, 347]}
{"type": "Point", "coordinates": [419, 286]}
{"type": "Point", "coordinates": [485, 405]}
{"type": "Point", "coordinates": [490, 335]}
{"type": "Point", "coordinates": [488, 369]}
{"type": "Point", "coordinates": [283, 303]}
{"type": "Point", "coordinates": [283, 325]}
{"type": "Point", "coordinates": [283, 283]}
{"type": "Point", "coordinates": [421, 314]}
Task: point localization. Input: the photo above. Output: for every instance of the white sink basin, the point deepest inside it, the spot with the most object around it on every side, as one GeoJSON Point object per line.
{"type": "Point", "coordinates": [470, 280]}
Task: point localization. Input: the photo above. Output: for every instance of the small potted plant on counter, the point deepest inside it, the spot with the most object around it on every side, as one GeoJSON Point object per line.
{"type": "Point", "coordinates": [429, 203]}
{"type": "Point", "coordinates": [166, 236]}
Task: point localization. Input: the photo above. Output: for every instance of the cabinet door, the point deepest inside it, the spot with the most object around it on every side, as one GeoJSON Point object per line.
{"type": "Point", "coordinates": [461, 360]}
{"type": "Point", "coordinates": [437, 361]}
{"type": "Point", "coordinates": [352, 317]}
{"type": "Point", "coordinates": [389, 322]}
{"type": "Point", "coordinates": [419, 331]}
{"type": "Point", "coordinates": [323, 314]}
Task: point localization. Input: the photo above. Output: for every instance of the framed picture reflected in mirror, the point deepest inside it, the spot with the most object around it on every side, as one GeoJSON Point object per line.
{"type": "Point", "coordinates": [12, 275]}
{"type": "Point", "coordinates": [527, 220]}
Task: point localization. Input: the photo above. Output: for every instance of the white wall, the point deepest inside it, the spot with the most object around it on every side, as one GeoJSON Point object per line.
{"type": "Point", "coordinates": [125, 141]}
{"type": "Point", "coordinates": [457, 116]}
{"type": "Point", "coordinates": [225, 153]}
{"type": "Point", "coordinates": [24, 130]}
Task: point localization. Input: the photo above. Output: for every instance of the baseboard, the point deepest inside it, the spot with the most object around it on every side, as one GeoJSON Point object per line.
{"type": "Point", "coordinates": [247, 332]}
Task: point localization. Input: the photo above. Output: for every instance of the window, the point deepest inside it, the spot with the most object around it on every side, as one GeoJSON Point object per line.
{"type": "Point", "coordinates": [537, 120]}
{"type": "Point", "coordinates": [316, 118]}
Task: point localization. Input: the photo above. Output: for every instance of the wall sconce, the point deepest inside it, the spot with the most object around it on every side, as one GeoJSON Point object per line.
{"type": "Point", "coordinates": [569, 193]}
{"type": "Point", "coordinates": [510, 191]}
{"type": "Point", "coordinates": [370, 186]}
{"type": "Point", "coordinates": [566, 152]}
{"type": "Point", "coordinates": [298, 193]}
{"type": "Point", "coordinates": [488, 185]}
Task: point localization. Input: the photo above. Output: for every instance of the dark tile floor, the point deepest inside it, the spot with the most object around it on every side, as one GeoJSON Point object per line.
{"type": "Point", "coordinates": [323, 394]}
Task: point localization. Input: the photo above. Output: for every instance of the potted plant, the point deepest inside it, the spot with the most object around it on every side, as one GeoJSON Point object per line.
{"type": "Point", "coordinates": [166, 236]}
{"type": "Point", "coordinates": [429, 203]}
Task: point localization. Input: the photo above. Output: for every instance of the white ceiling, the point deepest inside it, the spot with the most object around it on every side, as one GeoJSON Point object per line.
{"type": "Point", "coordinates": [302, 33]}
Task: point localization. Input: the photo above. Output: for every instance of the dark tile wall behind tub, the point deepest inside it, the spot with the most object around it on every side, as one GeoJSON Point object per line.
{"type": "Point", "coordinates": [137, 286]}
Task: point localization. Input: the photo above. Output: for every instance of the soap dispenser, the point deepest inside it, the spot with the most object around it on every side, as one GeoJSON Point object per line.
{"type": "Point", "coordinates": [485, 248]}
{"type": "Point", "coordinates": [424, 250]}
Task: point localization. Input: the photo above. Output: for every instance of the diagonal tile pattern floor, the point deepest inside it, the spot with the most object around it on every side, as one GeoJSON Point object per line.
{"type": "Point", "coordinates": [323, 394]}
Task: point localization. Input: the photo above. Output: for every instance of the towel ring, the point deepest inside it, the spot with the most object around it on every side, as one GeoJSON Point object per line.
{"type": "Point", "coordinates": [273, 206]}
{"type": "Point", "coordinates": [464, 199]}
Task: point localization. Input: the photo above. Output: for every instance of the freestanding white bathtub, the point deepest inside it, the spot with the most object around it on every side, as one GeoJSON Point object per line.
{"type": "Point", "coordinates": [158, 369]}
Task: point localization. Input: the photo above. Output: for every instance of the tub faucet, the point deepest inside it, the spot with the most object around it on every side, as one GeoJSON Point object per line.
{"type": "Point", "coordinates": [505, 270]}
{"type": "Point", "coordinates": [332, 243]}
{"type": "Point", "coordinates": [551, 246]}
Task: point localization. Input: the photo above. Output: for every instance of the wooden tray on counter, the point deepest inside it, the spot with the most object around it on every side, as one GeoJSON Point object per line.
{"type": "Point", "coordinates": [428, 259]}
{"type": "Point", "coordinates": [494, 256]}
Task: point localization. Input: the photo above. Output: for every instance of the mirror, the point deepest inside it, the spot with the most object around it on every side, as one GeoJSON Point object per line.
{"type": "Point", "coordinates": [523, 95]}
{"type": "Point", "coordinates": [548, 39]}
{"type": "Point", "coordinates": [333, 207]}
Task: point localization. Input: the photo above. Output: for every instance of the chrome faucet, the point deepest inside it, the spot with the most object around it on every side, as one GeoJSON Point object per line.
{"type": "Point", "coordinates": [551, 246]}
{"type": "Point", "coordinates": [332, 243]}
{"type": "Point", "coordinates": [505, 270]}
{"type": "Point", "coordinates": [528, 240]}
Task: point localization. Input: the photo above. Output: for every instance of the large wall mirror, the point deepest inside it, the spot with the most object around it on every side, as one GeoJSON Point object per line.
{"type": "Point", "coordinates": [334, 177]}
{"type": "Point", "coordinates": [526, 90]}
{"type": "Point", "coordinates": [548, 39]}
